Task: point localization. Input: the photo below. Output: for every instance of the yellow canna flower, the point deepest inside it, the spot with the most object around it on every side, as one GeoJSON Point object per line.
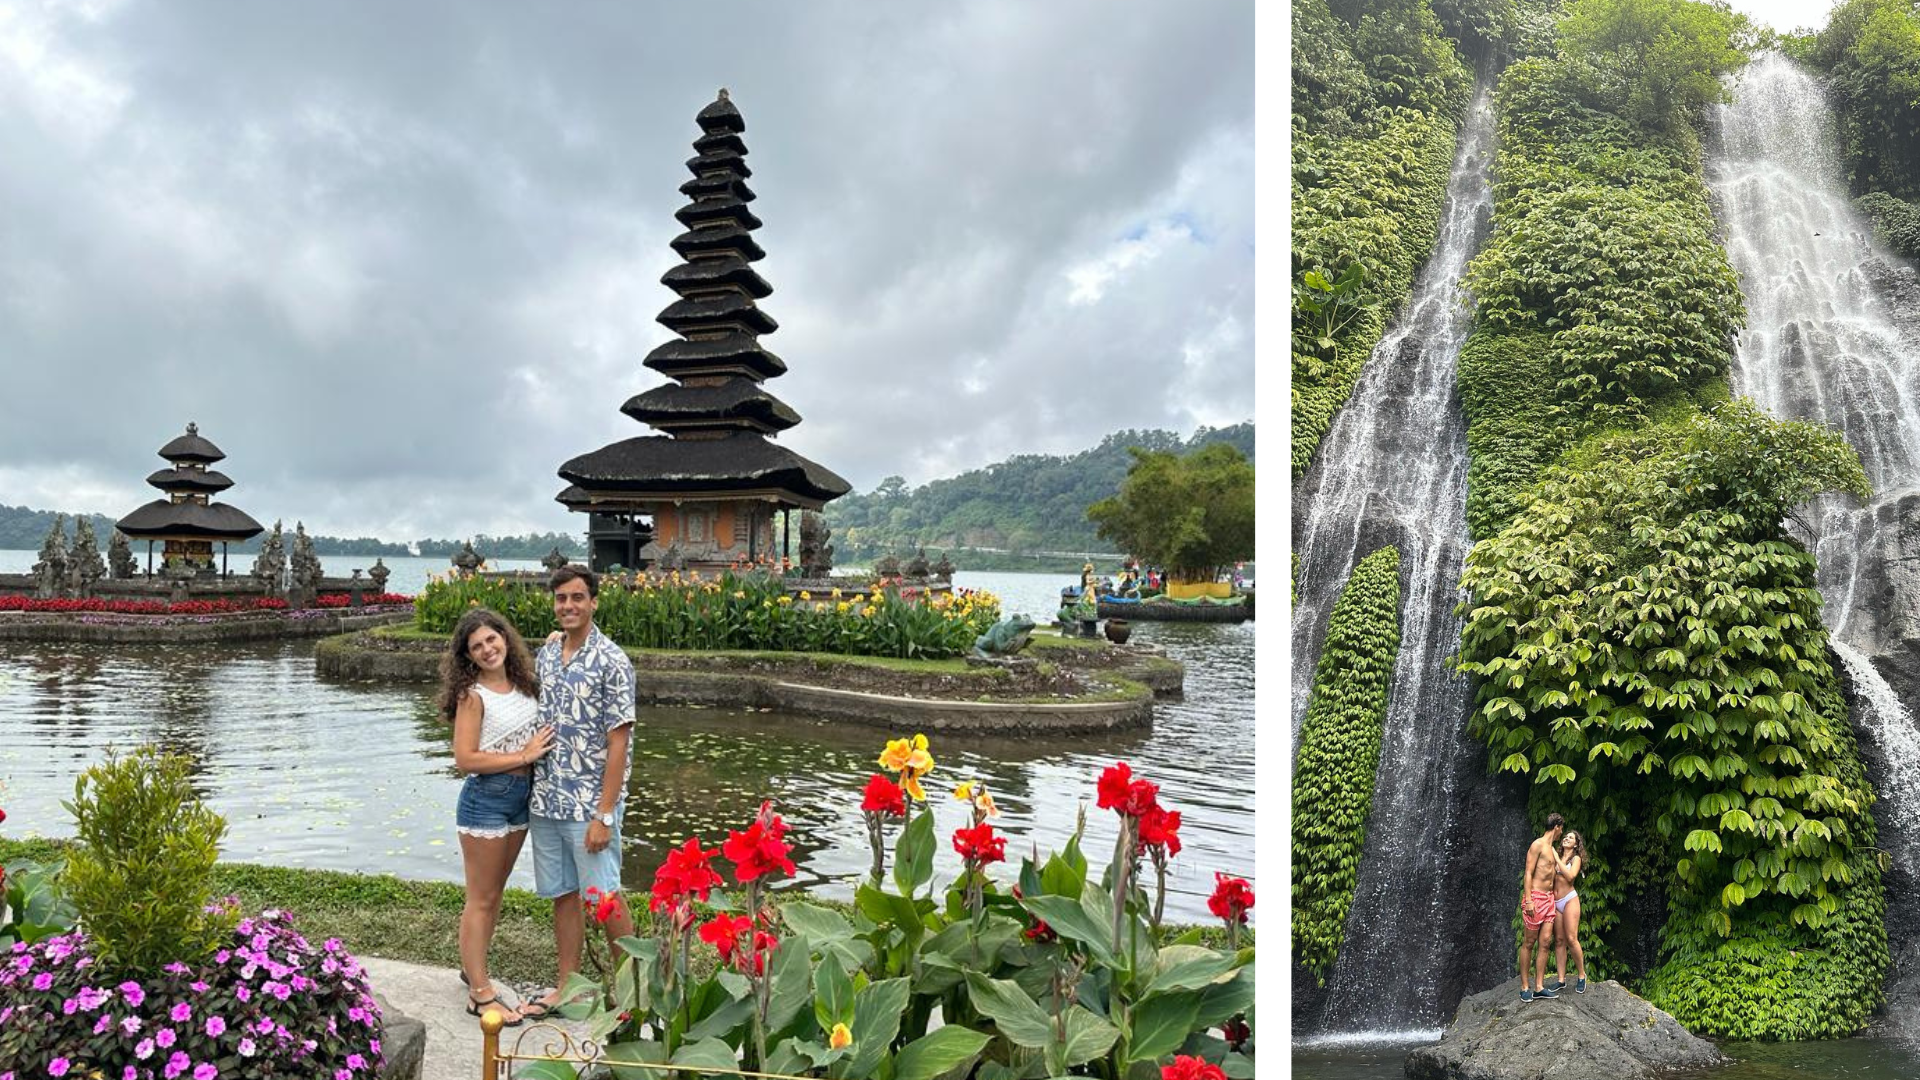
{"type": "Point", "coordinates": [911, 785]}
{"type": "Point", "coordinates": [739, 594]}
{"type": "Point", "coordinates": [841, 1037]}
{"type": "Point", "coordinates": [867, 611]}
{"type": "Point", "coordinates": [836, 594]}
{"type": "Point", "coordinates": [843, 607]}
{"type": "Point", "coordinates": [964, 792]}
{"type": "Point", "coordinates": [805, 595]}
{"type": "Point", "coordinates": [785, 599]}
{"type": "Point", "coordinates": [984, 803]}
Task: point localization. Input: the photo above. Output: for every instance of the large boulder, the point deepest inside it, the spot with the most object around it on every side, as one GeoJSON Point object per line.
{"type": "Point", "coordinates": [1603, 1034]}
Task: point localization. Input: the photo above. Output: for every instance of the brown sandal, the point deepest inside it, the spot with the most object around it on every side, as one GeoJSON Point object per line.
{"type": "Point", "coordinates": [476, 1007]}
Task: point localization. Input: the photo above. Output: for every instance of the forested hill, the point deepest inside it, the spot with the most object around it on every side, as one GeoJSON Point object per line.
{"type": "Point", "coordinates": [24, 529]}
{"type": "Point", "coordinates": [1027, 503]}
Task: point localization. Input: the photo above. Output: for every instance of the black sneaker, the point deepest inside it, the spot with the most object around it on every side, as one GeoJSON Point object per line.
{"type": "Point", "coordinates": [1559, 985]}
{"type": "Point", "coordinates": [1580, 987]}
{"type": "Point", "coordinates": [1544, 992]}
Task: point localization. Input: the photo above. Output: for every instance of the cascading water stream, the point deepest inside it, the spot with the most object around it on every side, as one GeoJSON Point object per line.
{"type": "Point", "coordinates": [1833, 335]}
{"type": "Point", "coordinates": [1393, 471]}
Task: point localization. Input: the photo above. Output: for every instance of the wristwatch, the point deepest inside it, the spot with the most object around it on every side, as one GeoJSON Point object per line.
{"type": "Point", "coordinates": [605, 819]}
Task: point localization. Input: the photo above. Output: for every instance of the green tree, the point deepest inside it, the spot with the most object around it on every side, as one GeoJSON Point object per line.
{"type": "Point", "coordinates": [1191, 513]}
{"type": "Point", "coordinates": [1655, 62]}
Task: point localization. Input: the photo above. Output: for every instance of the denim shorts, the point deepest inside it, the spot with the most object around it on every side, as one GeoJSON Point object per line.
{"type": "Point", "coordinates": [562, 864]}
{"type": "Point", "coordinates": [493, 804]}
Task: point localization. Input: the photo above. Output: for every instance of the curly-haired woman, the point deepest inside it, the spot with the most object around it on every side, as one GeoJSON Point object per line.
{"type": "Point", "coordinates": [489, 691]}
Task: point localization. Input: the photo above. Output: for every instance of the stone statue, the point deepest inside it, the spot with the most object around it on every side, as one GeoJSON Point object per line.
{"type": "Point", "coordinates": [379, 575]}
{"type": "Point", "coordinates": [1004, 638]}
{"type": "Point", "coordinates": [917, 567]}
{"type": "Point", "coordinates": [306, 565]}
{"type": "Point", "coordinates": [673, 558]}
{"type": "Point", "coordinates": [887, 566]}
{"type": "Point", "coordinates": [944, 568]}
{"type": "Point", "coordinates": [816, 555]}
{"type": "Point", "coordinates": [84, 565]}
{"type": "Point", "coordinates": [269, 567]}
{"type": "Point", "coordinates": [50, 573]}
{"type": "Point", "coordinates": [553, 560]}
{"type": "Point", "coordinates": [467, 560]}
{"type": "Point", "coordinates": [119, 557]}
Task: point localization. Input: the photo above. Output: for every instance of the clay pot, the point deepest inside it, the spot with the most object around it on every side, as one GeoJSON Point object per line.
{"type": "Point", "coordinates": [1118, 631]}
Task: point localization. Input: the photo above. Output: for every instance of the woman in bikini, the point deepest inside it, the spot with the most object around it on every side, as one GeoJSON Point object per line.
{"type": "Point", "coordinates": [489, 691]}
{"type": "Point", "coordinates": [1566, 903]}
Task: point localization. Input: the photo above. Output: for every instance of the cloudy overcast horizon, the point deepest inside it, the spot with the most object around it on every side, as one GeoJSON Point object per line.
{"type": "Point", "coordinates": [401, 261]}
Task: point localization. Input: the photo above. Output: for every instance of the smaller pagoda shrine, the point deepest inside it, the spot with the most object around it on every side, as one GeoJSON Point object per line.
{"type": "Point", "coordinates": [186, 522]}
{"type": "Point", "coordinates": [705, 492]}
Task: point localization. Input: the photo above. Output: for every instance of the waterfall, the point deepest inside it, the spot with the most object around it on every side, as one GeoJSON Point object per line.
{"type": "Point", "coordinates": [1393, 470]}
{"type": "Point", "coordinates": [1833, 335]}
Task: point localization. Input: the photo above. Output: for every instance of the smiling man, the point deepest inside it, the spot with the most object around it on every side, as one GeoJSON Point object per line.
{"type": "Point", "coordinates": [579, 787]}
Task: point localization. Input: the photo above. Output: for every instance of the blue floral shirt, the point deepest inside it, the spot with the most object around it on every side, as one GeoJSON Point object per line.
{"type": "Point", "coordinates": [582, 700]}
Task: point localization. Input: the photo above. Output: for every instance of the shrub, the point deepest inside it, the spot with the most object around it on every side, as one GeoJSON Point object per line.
{"type": "Point", "coordinates": [266, 1006]}
{"type": "Point", "coordinates": [1339, 751]}
{"type": "Point", "coordinates": [726, 612]}
{"type": "Point", "coordinates": [32, 907]}
{"type": "Point", "coordinates": [138, 872]}
{"type": "Point", "coordinates": [1895, 221]}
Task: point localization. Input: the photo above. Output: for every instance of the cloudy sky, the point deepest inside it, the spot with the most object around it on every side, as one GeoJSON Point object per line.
{"type": "Point", "coordinates": [402, 260]}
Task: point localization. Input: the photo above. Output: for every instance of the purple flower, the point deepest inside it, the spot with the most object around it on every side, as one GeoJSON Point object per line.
{"type": "Point", "coordinates": [216, 1027]}
{"type": "Point", "coordinates": [144, 1049]}
{"type": "Point", "coordinates": [130, 1025]}
{"type": "Point", "coordinates": [43, 981]}
{"type": "Point", "coordinates": [92, 997]}
{"type": "Point", "coordinates": [242, 993]}
{"type": "Point", "coordinates": [58, 1066]}
{"type": "Point", "coordinates": [177, 1064]}
{"type": "Point", "coordinates": [356, 1062]}
{"type": "Point", "coordinates": [181, 1013]}
{"type": "Point", "coordinates": [133, 992]}
{"type": "Point", "coordinates": [164, 1038]}
{"type": "Point", "coordinates": [246, 1047]}
{"type": "Point", "coordinates": [204, 1071]}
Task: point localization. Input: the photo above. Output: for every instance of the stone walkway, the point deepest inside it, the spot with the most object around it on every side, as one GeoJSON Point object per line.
{"type": "Point", "coordinates": [435, 997]}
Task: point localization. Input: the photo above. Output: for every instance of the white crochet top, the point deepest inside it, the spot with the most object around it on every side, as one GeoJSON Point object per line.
{"type": "Point", "coordinates": [508, 720]}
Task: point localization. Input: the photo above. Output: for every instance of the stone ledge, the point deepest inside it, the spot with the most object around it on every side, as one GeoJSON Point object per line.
{"type": "Point", "coordinates": [342, 658]}
{"type": "Point", "coordinates": [243, 626]}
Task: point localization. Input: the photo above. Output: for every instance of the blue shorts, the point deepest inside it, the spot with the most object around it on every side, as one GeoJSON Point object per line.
{"type": "Point", "coordinates": [562, 864]}
{"type": "Point", "coordinates": [493, 805]}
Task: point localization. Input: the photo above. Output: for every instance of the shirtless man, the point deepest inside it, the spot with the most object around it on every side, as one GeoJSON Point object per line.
{"type": "Point", "coordinates": [1537, 911]}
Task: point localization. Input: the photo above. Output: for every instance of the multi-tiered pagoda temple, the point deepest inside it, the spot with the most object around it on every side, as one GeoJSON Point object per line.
{"type": "Point", "coordinates": [185, 520]}
{"type": "Point", "coordinates": [705, 492]}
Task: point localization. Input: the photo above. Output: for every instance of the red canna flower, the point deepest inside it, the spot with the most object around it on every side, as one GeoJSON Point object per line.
{"type": "Point", "coordinates": [760, 850]}
{"type": "Point", "coordinates": [763, 946]}
{"type": "Point", "coordinates": [883, 796]}
{"type": "Point", "coordinates": [1040, 933]}
{"type": "Point", "coordinates": [723, 933]}
{"type": "Point", "coordinates": [1160, 828]}
{"type": "Point", "coordinates": [1232, 898]}
{"type": "Point", "coordinates": [607, 907]}
{"type": "Point", "coordinates": [1237, 1033]}
{"type": "Point", "coordinates": [1186, 1067]}
{"type": "Point", "coordinates": [684, 874]}
{"type": "Point", "coordinates": [979, 846]}
{"type": "Point", "coordinates": [1121, 793]}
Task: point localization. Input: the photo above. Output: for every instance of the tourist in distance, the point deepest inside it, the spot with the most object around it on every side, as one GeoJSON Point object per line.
{"type": "Point", "coordinates": [1537, 911]}
{"type": "Point", "coordinates": [579, 789]}
{"type": "Point", "coordinates": [1570, 857]}
{"type": "Point", "coordinates": [489, 691]}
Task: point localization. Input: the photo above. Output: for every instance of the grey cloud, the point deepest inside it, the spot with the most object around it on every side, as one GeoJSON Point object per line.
{"type": "Point", "coordinates": [402, 260]}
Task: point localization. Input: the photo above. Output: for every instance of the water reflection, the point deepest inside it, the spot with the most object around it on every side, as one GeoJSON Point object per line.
{"type": "Point", "coordinates": [360, 776]}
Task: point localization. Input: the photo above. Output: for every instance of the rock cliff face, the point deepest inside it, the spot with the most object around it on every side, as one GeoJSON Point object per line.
{"type": "Point", "coordinates": [1603, 1034]}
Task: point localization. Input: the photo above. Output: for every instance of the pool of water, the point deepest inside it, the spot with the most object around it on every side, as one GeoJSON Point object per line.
{"type": "Point", "coordinates": [359, 777]}
{"type": "Point", "coordinates": [1359, 1058]}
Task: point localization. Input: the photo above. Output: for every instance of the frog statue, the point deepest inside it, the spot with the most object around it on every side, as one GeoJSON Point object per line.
{"type": "Point", "coordinates": [1004, 638]}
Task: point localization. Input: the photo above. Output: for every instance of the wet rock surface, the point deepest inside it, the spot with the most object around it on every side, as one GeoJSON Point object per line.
{"type": "Point", "coordinates": [1606, 1033]}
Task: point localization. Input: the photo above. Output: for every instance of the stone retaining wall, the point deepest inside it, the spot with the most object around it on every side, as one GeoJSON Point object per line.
{"type": "Point", "coordinates": [345, 658]}
{"type": "Point", "coordinates": [171, 629]}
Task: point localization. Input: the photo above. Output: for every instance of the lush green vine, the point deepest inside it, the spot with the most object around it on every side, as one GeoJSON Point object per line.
{"type": "Point", "coordinates": [1378, 95]}
{"type": "Point", "coordinates": [1333, 775]}
{"type": "Point", "coordinates": [1870, 51]}
{"type": "Point", "coordinates": [1895, 221]}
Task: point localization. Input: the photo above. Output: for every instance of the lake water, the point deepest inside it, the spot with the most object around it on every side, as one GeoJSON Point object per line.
{"type": "Point", "coordinates": [359, 776]}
